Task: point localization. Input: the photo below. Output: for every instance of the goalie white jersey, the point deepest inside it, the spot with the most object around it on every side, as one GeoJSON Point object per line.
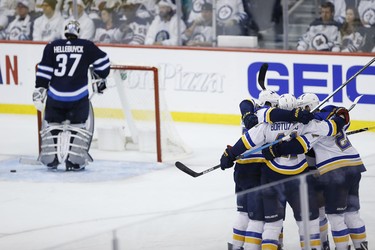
{"type": "Point", "coordinates": [305, 134]}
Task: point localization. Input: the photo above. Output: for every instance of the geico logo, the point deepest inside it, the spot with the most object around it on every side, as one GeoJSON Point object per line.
{"type": "Point", "coordinates": [321, 79]}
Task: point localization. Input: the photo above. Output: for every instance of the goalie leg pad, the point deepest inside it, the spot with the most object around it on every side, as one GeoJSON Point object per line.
{"type": "Point", "coordinates": [48, 154]}
{"type": "Point", "coordinates": [78, 156]}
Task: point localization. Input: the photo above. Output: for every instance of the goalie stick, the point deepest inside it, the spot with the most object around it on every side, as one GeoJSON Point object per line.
{"type": "Point", "coordinates": [194, 174]}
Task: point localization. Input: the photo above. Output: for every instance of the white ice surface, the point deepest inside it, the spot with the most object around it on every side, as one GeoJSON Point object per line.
{"type": "Point", "coordinates": [146, 205]}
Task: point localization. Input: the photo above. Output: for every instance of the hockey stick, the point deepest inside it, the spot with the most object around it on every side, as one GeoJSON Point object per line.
{"type": "Point", "coordinates": [262, 75]}
{"type": "Point", "coordinates": [360, 130]}
{"type": "Point", "coordinates": [344, 84]}
{"type": "Point", "coordinates": [356, 100]}
{"type": "Point", "coordinates": [194, 174]}
{"type": "Point", "coordinates": [190, 172]}
{"type": "Point", "coordinates": [287, 136]}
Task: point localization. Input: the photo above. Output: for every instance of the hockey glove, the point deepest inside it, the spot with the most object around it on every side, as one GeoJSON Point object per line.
{"type": "Point", "coordinates": [271, 152]}
{"type": "Point", "coordinates": [39, 95]}
{"type": "Point", "coordinates": [303, 116]}
{"type": "Point", "coordinates": [344, 114]}
{"type": "Point", "coordinates": [99, 86]}
{"type": "Point", "coordinates": [249, 120]}
{"type": "Point", "coordinates": [227, 159]}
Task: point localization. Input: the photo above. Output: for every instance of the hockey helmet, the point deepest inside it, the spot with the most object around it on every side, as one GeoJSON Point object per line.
{"type": "Point", "coordinates": [308, 101]}
{"type": "Point", "coordinates": [268, 96]}
{"type": "Point", "coordinates": [287, 101]}
{"type": "Point", "coordinates": [72, 29]}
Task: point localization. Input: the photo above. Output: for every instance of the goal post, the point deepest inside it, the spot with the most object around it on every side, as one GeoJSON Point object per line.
{"type": "Point", "coordinates": [132, 115]}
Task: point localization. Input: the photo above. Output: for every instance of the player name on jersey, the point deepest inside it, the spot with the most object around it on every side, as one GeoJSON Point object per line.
{"type": "Point", "coordinates": [280, 126]}
{"type": "Point", "coordinates": [68, 49]}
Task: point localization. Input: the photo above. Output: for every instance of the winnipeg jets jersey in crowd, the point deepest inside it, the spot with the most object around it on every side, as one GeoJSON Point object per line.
{"type": "Point", "coordinates": [321, 36]}
{"type": "Point", "coordinates": [20, 29]}
{"type": "Point", "coordinates": [103, 35]}
{"type": "Point", "coordinates": [202, 33]}
{"type": "Point", "coordinates": [46, 29]}
{"type": "Point", "coordinates": [132, 32]}
{"type": "Point", "coordinates": [230, 10]}
{"type": "Point", "coordinates": [64, 67]}
{"type": "Point", "coordinates": [164, 32]}
{"type": "Point", "coordinates": [366, 9]}
{"type": "Point", "coordinates": [306, 135]}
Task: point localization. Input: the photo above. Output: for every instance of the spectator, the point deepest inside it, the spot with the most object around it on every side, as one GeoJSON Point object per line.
{"type": "Point", "coordinates": [163, 29]}
{"type": "Point", "coordinates": [323, 33]}
{"type": "Point", "coordinates": [136, 23]}
{"type": "Point", "coordinates": [351, 38]}
{"type": "Point", "coordinates": [21, 27]}
{"type": "Point", "coordinates": [8, 7]}
{"type": "Point", "coordinates": [340, 10]}
{"type": "Point", "coordinates": [87, 24]}
{"type": "Point", "coordinates": [230, 17]}
{"type": "Point", "coordinates": [48, 26]}
{"type": "Point", "coordinates": [3, 24]}
{"type": "Point", "coordinates": [200, 33]}
{"type": "Point", "coordinates": [109, 23]}
{"type": "Point", "coordinates": [195, 10]}
{"type": "Point", "coordinates": [366, 9]}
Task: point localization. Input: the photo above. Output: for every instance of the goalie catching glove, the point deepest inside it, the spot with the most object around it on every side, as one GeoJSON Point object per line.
{"type": "Point", "coordinates": [39, 95]}
{"type": "Point", "coordinates": [99, 85]}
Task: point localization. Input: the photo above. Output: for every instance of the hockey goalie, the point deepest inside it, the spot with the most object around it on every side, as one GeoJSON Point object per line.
{"type": "Point", "coordinates": [61, 91]}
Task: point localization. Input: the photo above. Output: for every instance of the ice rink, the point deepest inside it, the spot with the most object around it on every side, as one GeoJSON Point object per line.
{"type": "Point", "coordinates": [125, 200]}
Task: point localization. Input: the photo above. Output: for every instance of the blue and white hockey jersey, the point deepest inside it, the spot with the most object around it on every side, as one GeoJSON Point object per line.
{"type": "Point", "coordinates": [305, 134]}
{"type": "Point", "coordinates": [63, 69]}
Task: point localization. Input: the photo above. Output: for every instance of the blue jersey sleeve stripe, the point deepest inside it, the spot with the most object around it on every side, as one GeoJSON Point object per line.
{"type": "Point", "coordinates": [245, 142]}
{"type": "Point", "coordinates": [43, 75]}
{"type": "Point", "coordinates": [103, 67]}
{"type": "Point", "coordinates": [304, 143]}
{"type": "Point", "coordinates": [330, 128]}
{"type": "Point", "coordinates": [45, 68]}
{"type": "Point", "coordinates": [252, 144]}
{"type": "Point", "coordinates": [268, 115]}
{"type": "Point", "coordinates": [101, 60]}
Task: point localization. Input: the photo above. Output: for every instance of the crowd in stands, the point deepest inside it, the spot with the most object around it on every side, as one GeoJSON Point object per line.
{"type": "Point", "coordinates": [343, 25]}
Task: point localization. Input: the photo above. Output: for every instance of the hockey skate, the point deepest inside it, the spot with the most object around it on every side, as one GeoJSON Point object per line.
{"type": "Point", "coordinates": [70, 166]}
{"type": "Point", "coordinates": [53, 165]}
{"type": "Point", "coordinates": [364, 246]}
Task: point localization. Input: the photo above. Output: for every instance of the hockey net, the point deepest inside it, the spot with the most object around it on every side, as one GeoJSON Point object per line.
{"type": "Point", "coordinates": [132, 115]}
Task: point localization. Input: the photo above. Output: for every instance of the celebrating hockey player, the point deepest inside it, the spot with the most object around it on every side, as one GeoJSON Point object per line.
{"type": "Point", "coordinates": [248, 226]}
{"type": "Point", "coordinates": [62, 79]}
{"type": "Point", "coordinates": [340, 167]}
{"type": "Point", "coordinates": [279, 168]}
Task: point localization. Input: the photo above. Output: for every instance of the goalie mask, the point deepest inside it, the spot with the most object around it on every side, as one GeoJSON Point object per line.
{"type": "Point", "coordinates": [287, 101]}
{"type": "Point", "coordinates": [307, 101]}
{"type": "Point", "coordinates": [268, 97]}
{"type": "Point", "coordinates": [72, 29]}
